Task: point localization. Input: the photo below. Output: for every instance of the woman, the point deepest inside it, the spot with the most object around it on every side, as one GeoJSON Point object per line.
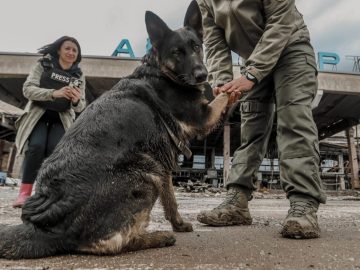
{"type": "Point", "coordinates": [55, 89]}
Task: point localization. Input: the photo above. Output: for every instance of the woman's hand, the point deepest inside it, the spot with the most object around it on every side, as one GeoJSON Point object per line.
{"type": "Point", "coordinates": [70, 93]}
{"type": "Point", "coordinates": [64, 92]}
{"type": "Point", "coordinates": [76, 95]}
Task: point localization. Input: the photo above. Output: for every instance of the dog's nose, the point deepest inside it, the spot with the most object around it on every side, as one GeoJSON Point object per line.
{"type": "Point", "coordinates": [200, 75]}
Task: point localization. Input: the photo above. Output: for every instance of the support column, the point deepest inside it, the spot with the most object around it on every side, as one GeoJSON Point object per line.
{"type": "Point", "coordinates": [212, 165]}
{"type": "Point", "coordinates": [188, 163]}
{"type": "Point", "coordinates": [226, 153]}
{"type": "Point", "coordinates": [210, 158]}
{"type": "Point", "coordinates": [205, 153]}
{"type": "Point", "coordinates": [2, 151]}
{"type": "Point", "coordinates": [354, 164]}
{"type": "Point", "coordinates": [341, 170]}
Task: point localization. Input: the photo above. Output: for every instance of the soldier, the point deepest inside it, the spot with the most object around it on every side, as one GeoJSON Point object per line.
{"type": "Point", "coordinates": [280, 69]}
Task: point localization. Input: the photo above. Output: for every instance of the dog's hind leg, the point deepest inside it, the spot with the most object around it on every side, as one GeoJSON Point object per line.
{"type": "Point", "coordinates": [25, 241]}
{"type": "Point", "coordinates": [124, 242]}
{"type": "Point", "coordinates": [131, 238]}
{"type": "Point", "coordinates": [150, 240]}
{"type": "Point", "coordinates": [168, 201]}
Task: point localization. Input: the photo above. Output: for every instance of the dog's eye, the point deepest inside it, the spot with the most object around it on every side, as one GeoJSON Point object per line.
{"type": "Point", "coordinates": [176, 52]}
{"type": "Point", "coordinates": [196, 48]}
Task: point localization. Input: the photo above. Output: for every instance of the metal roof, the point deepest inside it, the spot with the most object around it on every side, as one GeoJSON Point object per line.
{"type": "Point", "coordinates": [9, 109]}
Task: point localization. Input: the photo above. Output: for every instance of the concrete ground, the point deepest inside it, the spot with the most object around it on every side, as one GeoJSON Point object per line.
{"type": "Point", "coordinates": [258, 246]}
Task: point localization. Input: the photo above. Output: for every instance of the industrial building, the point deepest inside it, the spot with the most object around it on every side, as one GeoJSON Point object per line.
{"type": "Point", "coordinates": [336, 112]}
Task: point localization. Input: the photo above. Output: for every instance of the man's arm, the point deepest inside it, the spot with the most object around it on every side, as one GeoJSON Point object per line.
{"type": "Point", "coordinates": [278, 29]}
{"type": "Point", "coordinates": [218, 54]}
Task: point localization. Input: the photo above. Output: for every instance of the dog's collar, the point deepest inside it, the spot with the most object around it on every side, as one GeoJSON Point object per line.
{"type": "Point", "coordinates": [179, 144]}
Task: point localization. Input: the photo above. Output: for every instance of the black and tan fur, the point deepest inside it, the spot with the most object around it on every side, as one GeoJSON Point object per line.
{"type": "Point", "coordinates": [95, 192]}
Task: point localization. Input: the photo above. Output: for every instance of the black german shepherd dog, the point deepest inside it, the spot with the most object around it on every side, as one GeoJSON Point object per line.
{"type": "Point", "coordinates": [94, 194]}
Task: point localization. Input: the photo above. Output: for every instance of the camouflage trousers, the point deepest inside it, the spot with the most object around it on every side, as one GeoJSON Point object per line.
{"type": "Point", "coordinates": [286, 93]}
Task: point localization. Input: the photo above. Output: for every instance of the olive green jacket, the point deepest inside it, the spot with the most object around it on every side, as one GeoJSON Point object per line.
{"type": "Point", "coordinates": [32, 113]}
{"type": "Point", "coordinates": [257, 30]}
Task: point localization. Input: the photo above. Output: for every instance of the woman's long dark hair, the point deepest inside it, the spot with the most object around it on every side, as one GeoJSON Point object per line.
{"type": "Point", "coordinates": [54, 47]}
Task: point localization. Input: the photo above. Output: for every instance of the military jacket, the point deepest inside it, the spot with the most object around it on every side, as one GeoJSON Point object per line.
{"type": "Point", "coordinates": [257, 30]}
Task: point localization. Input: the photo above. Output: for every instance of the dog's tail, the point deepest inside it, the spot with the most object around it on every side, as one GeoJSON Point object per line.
{"type": "Point", "coordinates": [25, 241]}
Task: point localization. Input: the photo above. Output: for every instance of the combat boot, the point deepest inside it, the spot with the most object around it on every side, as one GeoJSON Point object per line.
{"type": "Point", "coordinates": [301, 221]}
{"type": "Point", "coordinates": [232, 211]}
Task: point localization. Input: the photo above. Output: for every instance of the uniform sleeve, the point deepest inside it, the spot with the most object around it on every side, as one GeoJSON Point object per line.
{"type": "Point", "coordinates": [32, 89]}
{"type": "Point", "coordinates": [82, 102]}
{"type": "Point", "coordinates": [278, 29]}
{"type": "Point", "coordinates": [218, 54]}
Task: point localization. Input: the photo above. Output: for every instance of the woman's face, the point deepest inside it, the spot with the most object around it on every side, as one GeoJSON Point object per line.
{"type": "Point", "coordinates": [68, 52]}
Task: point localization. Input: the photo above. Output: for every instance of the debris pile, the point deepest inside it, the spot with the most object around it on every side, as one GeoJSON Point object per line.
{"type": "Point", "coordinates": [7, 181]}
{"type": "Point", "coordinates": [198, 187]}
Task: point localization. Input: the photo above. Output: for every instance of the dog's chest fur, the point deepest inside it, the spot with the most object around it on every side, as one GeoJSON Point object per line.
{"type": "Point", "coordinates": [185, 105]}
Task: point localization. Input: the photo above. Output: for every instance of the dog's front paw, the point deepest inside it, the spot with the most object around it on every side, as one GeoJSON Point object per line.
{"type": "Point", "coordinates": [183, 227]}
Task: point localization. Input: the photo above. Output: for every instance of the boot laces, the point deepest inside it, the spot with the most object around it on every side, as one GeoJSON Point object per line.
{"type": "Point", "coordinates": [231, 198]}
{"type": "Point", "coordinates": [299, 208]}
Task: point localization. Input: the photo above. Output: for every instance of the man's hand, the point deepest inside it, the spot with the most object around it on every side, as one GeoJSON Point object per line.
{"type": "Point", "coordinates": [235, 89]}
{"type": "Point", "coordinates": [216, 91]}
{"type": "Point", "coordinates": [234, 96]}
{"type": "Point", "coordinates": [237, 86]}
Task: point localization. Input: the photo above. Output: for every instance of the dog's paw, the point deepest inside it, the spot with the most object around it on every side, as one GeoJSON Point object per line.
{"type": "Point", "coordinates": [183, 227]}
{"type": "Point", "coordinates": [170, 240]}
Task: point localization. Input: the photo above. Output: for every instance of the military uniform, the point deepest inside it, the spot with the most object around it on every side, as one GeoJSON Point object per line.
{"type": "Point", "coordinates": [274, 41]}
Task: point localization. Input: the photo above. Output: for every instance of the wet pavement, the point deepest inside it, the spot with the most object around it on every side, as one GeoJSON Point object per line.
{"type": "Point", "coordinates": [258, 246]}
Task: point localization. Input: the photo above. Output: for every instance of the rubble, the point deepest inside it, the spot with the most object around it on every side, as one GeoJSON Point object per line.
{"type": "Point", "coordinates": [8, 181]}
{"type": "Point", "coordinates": [199, 187]}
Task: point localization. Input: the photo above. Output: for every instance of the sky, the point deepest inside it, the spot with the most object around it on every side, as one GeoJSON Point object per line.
{"type": "Point", "coordinates": [99, 25]}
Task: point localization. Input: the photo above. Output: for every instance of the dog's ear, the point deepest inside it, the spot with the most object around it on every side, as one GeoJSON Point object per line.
{"type": "Point", "coordinates": [156, 28]}
{"type": "Point", "coordinates": [193, 19]}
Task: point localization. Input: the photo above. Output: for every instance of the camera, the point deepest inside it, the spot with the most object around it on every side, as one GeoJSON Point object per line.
{"type": "Point", "coordinates": [74, 82]}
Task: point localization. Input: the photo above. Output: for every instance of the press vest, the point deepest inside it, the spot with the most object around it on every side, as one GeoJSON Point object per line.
{"type": "Point", "coordinates": [55, 78]}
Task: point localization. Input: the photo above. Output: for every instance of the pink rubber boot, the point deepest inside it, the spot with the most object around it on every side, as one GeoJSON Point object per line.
{"type": "Point", "coordinates": [25, 192]}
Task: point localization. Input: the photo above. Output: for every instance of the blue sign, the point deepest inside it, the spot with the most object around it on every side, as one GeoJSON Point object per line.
{"type": "Point", "coordinates": [121, 50]}
{"type": "Point", "coordinates": [324, 58]}
{"type": "Point", "coordinates": [124, 47]}
{"type": "Point", "coordinates": [328, 58]}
